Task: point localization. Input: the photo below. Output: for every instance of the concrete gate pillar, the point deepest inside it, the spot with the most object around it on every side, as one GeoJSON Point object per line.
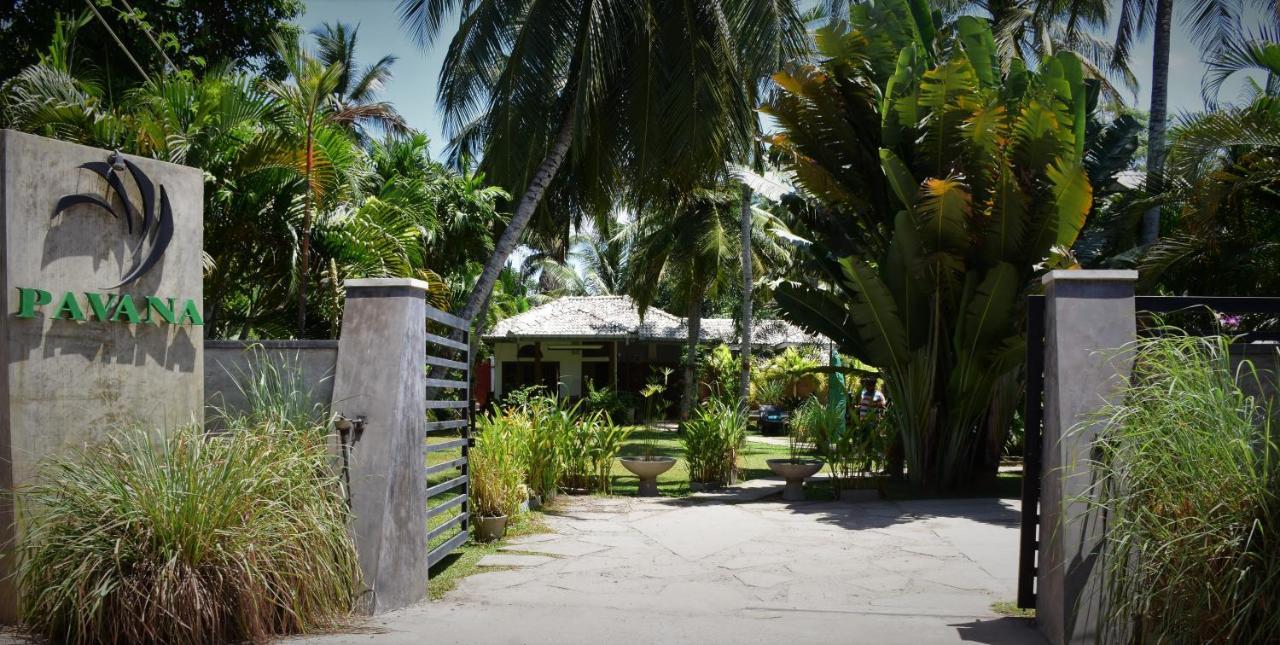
{"type": "Point", "coordinates": [380, 377]}
{"type": "Point", "coordinates": [1089, 316]}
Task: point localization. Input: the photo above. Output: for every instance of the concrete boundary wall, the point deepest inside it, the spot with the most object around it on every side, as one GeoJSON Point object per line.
{"type": "Point", "coordinates": [228, 362]}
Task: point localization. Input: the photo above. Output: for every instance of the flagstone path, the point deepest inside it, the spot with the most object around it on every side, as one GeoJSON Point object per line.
{"type": "Point", "coordinates": [624, 570]}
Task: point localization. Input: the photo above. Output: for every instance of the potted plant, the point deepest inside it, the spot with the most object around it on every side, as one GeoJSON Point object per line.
{"type": "Point", "coordinates": [795, 469]}
{"type": "Point", "coordinates": [647, 466]}
{"type": "Point", "coordinates": [497, 478]}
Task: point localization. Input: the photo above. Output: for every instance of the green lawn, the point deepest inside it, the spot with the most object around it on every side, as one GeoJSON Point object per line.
{"type": "Point", "coordinates": [436, 458]}
{"type": "Point", "coordinates": [675, 482]}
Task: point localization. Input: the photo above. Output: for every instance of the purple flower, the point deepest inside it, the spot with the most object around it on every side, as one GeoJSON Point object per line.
{"type": "Point", "coordinates": [1229, 321]}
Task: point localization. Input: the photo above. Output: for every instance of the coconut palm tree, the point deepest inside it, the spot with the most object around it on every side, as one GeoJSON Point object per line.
{"type": "Point", "coordinates": [585, 88]}
{"type": "Point", "coordinates": [1213, 24]}
{"type": "Point", "coordinates": [603, 253]}
{"type": "Point", "coordinates": [315, 114]}
{"type": "Point", "coordinates": [690, 242]}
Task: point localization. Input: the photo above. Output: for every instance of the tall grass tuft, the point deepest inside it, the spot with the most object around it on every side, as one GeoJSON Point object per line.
{"type": "Point", "coordinates": [189, 538]}
{"type": "Point", "coordinates": [497, 466]}
{"type": "Point", "coordinates": [1189, 485]}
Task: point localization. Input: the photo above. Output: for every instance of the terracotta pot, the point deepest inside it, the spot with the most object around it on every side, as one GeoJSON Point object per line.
{"type": "Point", "coordinates": [489, 529]}
{"type": "Point", "coordinates": [794, 472]}
{"type": "Point", "coordinates": [648, 469]}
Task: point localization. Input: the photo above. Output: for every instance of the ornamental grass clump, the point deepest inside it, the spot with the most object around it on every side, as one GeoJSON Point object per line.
{"type": "Point", "coordinates": [497, 468]}
{"type": "Point", "coordinates": [712, 440]}
{"type": "Point", "coordinates": [589, 444]}
{"type": "Point", "coordinates": [188, 538]}
{"type": "Point", "coordinates": [1189, 485]}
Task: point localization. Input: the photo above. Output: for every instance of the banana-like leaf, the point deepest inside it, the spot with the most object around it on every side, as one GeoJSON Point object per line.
{"type": "Point", "coordinates": [1073, 197]}
{"type": "Point", "coordinates": [944, 215]}
{"type": "Point", "coordinates": [904, 185]}
{"type": "Point", "coordinates": [980, 47]}
{"type": "Point", "coordinates": [900, 99]}
{"type": "Point", "coordinates": [1073, 74]}
{"type": "Point", "coordinates": [905, 277]}
{"type": "Point", "coordinates": [1006, 218]}
{"type": "Point", "coordinates": [987, 310]}
{"type": "Point", "coordinates": [875, 316]}
{"type": "Point", "coordinates": [818, 311]}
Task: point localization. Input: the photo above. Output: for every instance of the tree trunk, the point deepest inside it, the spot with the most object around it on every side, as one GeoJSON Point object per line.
{"type": "Point", "coordinates": [510, 237]}
{"type": "Point", "coordinates": [744, 385]}
{"type": "Point", "coordinates": [691, 361]}
{"type": "Point", "coordinates": [304, 261]}
{"type": "Point", "coordinates": [1159, 117]}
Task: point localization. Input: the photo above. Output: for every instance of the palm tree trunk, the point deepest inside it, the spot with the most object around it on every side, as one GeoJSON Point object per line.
{"type": "Point", "coordinates": [510, 237]}
{"type": "Point", "coordinates": [691, 360]}
{"type": "Point", "coordinates": [744, 384]}
{"type": "Point", "coordinates": [304, 261]}
{"type": "Point", "coordinates": [1159, 117]}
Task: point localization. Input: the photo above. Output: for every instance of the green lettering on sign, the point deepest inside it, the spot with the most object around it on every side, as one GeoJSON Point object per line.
{"type": "Point", "coordinates": [69, 308]}
{"type": "Point", "coordinates": [29, 299]}
{"type": "Point", "coordinates": [109, 307]}
{"type": "Point", "coordinates": [127, 309]}
{"type": "Point", "coordinates": [101, 310]}
{"type": "Point", "coordinates": [162, 307]}
{"type": "Point", "coordinates": [191, 314]}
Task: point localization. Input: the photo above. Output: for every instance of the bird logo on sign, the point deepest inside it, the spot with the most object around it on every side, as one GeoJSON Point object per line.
{"type": "Point", "coordinates": [150, 230]}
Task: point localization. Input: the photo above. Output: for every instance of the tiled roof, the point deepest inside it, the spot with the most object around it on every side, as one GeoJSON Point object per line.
{"type": "Point", "coordinates": [618, 317]}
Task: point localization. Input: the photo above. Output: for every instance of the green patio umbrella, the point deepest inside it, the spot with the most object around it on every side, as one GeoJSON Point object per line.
{"type": "Point", "coordinates": [836, 399]}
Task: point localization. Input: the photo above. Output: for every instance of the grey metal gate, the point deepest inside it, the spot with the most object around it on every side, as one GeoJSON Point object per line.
{"type": "Point", "coordinates": [450, 414]}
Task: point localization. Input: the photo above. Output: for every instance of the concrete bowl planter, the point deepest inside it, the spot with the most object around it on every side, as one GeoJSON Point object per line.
{"type": "Point", "coordinates": [795, 472]}
{"type": "Point", "coordinates": [489, 529]}
{"type": "Point", "coordinates": [648, 469]}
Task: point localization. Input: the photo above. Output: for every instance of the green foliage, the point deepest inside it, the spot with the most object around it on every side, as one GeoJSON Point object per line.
{"type": "Point", "coordinates": [497, 466]}
{"type": "Point", "coordinates": [1224, 175]}
{"type": "Point", "coordinates": [195, 35]}
{"type": "Point", "coordinates": [604, 400]}
{"type": "Point", "coordinates": [654, 391]}
{"type": "Point", "coordinates": [950, 183]}
{"type": "Point", "coordinates": [782, 376]}
{"type": "Point", "coordinates": [712, 440]}
{"type": "Point", "coordinates": [718, 371]}
{"type": "Point", "coordinates": [380, 208]}
{"type": "Point", "coordinates": [1186, 474]}
{"type": "Point", "coordinates": [588, 449]}
{"type": "Point", "coordinates": [185, 537]}
{"type": "Point", "coordinates": [853, 448]}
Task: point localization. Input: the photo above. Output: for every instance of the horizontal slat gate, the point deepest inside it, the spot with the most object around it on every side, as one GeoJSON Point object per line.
{"type": "Point", "coordinates": [449, 411]}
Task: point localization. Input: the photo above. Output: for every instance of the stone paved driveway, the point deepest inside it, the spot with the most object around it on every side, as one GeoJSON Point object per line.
{"type": "Point", "coordinates": [620, 570]}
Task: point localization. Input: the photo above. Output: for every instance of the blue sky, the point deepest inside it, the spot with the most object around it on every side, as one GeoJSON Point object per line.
{"type": "Point", "coordinates": [413, 88]}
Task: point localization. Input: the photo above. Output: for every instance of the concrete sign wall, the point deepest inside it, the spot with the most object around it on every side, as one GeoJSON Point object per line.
{"type": "Point", "coordinates": [102, 293]}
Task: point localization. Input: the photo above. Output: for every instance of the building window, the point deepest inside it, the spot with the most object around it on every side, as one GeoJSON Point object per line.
{"type": "Point", "coordinates": [517, 375]}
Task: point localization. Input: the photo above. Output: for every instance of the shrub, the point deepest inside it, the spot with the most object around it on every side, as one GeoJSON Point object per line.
{"type": "Point", "coordinates": [712, 440]}
{"type": "Point", "coordinates": [604, 399]}
{"type": "Point", "coordinates": [188, 538]}
{"type": "Point", "coordinates": [850, 446]}
{"type": "Point", "coordinates": [589, 445]}
{"type": "Point", "coordinates": [1188, 481]}
{"type": "Point", "coordinates": [544, 424]}
{"type": "Point", "coordinates": [718, 371]}
{"type": "Point", "coordinates": [496, 467]}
